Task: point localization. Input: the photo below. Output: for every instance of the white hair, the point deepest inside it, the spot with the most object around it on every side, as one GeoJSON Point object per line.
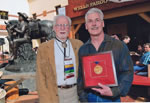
{"type": "Point", "coordinates": [58, 16]}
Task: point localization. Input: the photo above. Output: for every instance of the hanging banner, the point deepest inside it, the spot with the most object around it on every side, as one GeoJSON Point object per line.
{"type": "Point", "coordinates": [77, 8]}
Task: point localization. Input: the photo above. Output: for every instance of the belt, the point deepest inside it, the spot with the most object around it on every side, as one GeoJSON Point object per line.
{"type": "Point", "coordinates": [67, 86]}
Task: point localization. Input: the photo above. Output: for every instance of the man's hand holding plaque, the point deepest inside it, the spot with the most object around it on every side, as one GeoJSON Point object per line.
{"type": "Point", "coordinates": [103, 90]}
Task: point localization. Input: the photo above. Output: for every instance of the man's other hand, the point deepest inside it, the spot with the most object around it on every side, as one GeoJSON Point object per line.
{"type": "Point", "coordinates": [103, 90]}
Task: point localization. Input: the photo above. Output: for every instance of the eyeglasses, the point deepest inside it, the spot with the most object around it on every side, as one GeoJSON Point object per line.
{"type": "Point", "coordinates": [62, 25]}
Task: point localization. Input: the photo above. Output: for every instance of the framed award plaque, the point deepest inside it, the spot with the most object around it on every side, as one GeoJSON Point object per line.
{"type": "Point", "coordinates": [99, 68]}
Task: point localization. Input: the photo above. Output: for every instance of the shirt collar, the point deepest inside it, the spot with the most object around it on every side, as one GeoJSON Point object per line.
{"type": "Point", "coordinates": [106, 39]}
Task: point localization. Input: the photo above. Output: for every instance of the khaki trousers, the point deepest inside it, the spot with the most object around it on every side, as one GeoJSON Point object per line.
{"type": "Point", "coordinates": [68, 95]}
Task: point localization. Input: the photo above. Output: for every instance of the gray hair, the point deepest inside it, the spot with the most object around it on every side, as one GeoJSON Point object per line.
{"type": "Point", "coordinates": [94, 10]}
{"type": "Point", "coordinates": [58, 16]}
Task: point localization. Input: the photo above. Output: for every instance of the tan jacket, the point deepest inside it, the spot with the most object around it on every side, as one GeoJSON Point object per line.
{"type": "Point", "coordinates": [46, 71]}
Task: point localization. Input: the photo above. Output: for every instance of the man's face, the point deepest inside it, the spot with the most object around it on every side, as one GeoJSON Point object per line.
{"type": "Point", "coordinates": [140, 48]}
{"type": "Point", "coordinates": [94, 24]}
{"type": "Point", "coordinates": [146, 48]}
{"type": "Point", "coordinates": [127, 40]}
{"type": "Point", "coordinates": [62, 28]}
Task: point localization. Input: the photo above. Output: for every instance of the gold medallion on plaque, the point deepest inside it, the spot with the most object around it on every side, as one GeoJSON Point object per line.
{"type": "Point", "coordinates": [98, 69]}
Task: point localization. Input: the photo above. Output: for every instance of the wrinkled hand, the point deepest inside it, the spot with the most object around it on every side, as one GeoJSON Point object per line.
{"type": "Point", "coordinates": [103, 90]}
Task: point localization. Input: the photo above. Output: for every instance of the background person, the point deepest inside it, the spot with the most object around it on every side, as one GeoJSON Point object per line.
{"type": "Point", "coordinates": [100, 42]}
{"type": "Point", "coordinates": [136, 55]}
{"type": "Point", "coordinates": [140, 50]}
{"type": "Point", "coordinates": [144, 60]}
{"type": "Point", "coordinates": [126, 39]}
{"type": "Point", "coordinates": [57, 65]}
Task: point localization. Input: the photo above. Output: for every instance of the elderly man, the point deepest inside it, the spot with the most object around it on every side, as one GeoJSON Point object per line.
{"type": "Point", "coordinates": [57, 65]}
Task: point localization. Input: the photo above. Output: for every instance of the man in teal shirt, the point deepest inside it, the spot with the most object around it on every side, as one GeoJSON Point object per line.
{"type": "Point", "coordinates": [145, 59]}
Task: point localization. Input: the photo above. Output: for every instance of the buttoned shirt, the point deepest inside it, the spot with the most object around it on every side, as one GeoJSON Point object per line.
{"type": "Point", "coordinates": [122, 61]}
{"type": "Point", "coordinates": [59, 60]}
{"type": "Point", "coordinates": [145, 59]}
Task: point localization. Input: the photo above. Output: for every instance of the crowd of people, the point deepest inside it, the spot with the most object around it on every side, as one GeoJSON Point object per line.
{"type": "Point", "coordinates": [140, 57]}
